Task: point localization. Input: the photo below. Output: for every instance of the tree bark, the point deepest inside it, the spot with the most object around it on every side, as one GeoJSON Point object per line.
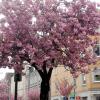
{"type": "Point", "coordinates": [45, 85]}
{"type": "Point", "coordinates": [44, 93]}
{"type": "Point", "coordinates": [45, 76]}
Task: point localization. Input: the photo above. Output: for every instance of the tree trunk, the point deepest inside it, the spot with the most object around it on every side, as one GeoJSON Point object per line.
{"type": "Point", "coordinates": [45, 85]}
{"type": "Point", "coordinates": [44, 93]}
{"type": "Point", "coordinates": [45, 76]}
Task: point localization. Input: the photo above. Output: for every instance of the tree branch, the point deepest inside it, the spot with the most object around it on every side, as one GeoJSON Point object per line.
{"type": "Point", "coordinates": [49, 73]}
{"type": "Point", "coordinates": [25, 57]}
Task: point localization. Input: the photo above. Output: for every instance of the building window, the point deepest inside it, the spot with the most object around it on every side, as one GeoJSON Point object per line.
{"type": "Point", "coordinates": [97, 50]}
{"type": "Point", "coordinates": [83, 79]}
{"type": "Point", "coordinates": [96, 75]}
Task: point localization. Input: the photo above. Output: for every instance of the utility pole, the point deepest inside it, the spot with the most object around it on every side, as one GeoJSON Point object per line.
{"type": "Point", "coordinates": [17, 77]}
{"type": "Point", "coordinates": [74, 88]}
{"type": "Point", "coordinates": [16, 86]}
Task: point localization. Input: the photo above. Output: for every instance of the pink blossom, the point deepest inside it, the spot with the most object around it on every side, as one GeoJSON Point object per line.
{"type": "Point", "coordinates": [34, 94]}
{"type": "Point", "coordinates": [56, 34]}
{"type": "Point", "coordinates": [64, 88]}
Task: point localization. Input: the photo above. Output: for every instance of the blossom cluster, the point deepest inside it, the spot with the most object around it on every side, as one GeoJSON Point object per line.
{"type": "Point", "coordinates": [42, 30]}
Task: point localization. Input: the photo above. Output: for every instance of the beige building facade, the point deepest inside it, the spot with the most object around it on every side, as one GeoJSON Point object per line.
{"type": "Point", "coordinates": [86, 87]}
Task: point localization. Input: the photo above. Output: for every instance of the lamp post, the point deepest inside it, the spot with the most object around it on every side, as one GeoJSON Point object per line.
{"type": "Point", "coordinates": [16, 86]}
{"type": "Point", "coordinates": [74, 88]}
{"type": "Point", "coordinates": [17, 77]}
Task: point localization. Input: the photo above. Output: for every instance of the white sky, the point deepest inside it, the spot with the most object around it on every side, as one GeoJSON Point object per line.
{"type": "Point", "coordinates": [98, 1]}
{"type": "Point", "coordinates": [3, 71]}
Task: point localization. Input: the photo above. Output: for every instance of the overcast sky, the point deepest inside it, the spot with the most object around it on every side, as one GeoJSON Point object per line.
{"type": "Point", "coordinates": [96, 1]}
{"type": "Point", "coordinates": [6, 70]}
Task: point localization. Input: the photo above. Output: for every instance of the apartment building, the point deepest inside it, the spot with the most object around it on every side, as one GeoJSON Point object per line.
{"type": "Point", "coordinates": [30, 80]}
{"type": "Point", "coordinates": [59, 74]}
{"type": "Point", "coordinates": [7, 79]}
{"type": "Point", "coordinates": [89, 87]}
{"type": "Point", "coordinates": [86, 87]}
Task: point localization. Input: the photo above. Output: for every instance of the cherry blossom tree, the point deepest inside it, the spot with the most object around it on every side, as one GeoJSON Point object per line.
{"type": "Point", "coordinates": [47, 33]}
{"type": "Point", "coordinates": [19, 98]}
{"type": "Point", "coordinates": [64, 88]}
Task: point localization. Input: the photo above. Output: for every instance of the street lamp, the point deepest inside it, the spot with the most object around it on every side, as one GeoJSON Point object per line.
{"type": "Point", "coordinates": [74, 88]}
{"type": "Point", "coordinates": [17, 77]}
